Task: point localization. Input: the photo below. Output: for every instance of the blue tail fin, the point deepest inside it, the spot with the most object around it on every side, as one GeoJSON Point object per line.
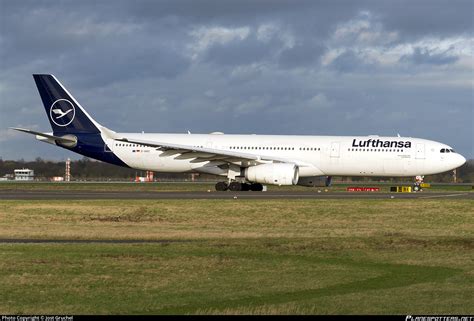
{"type": "Point", "coordinates": [65, 114]}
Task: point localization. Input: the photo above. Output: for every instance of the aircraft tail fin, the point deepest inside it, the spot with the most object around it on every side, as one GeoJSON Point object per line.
{"type": "Point", "coordinates": [65, 114]}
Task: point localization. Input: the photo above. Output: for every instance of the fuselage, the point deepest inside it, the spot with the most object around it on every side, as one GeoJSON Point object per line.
{"type": "Point", "coordinates": [325, 155]}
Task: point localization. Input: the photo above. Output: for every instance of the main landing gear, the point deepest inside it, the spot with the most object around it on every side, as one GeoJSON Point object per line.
{"type": "Point", "coordinates": [237, 187]}
{"type": "Point", "coordinates": [417, 185]}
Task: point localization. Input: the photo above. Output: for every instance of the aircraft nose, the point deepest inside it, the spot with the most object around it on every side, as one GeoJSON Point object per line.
{"type": "Point", "coordinates": [460, 160]}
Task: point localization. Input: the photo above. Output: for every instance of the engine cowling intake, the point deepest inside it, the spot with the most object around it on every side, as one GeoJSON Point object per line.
{"type": "Point", "coordinates": [275, 173]}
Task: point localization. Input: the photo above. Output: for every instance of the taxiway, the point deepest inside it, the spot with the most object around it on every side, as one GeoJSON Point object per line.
{"type": "Point", "coordinates": [98, 195]}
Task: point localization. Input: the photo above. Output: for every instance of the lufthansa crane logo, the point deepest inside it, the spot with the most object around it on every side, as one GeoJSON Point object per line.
{"type": "Point", "coordinates": [62, 112]}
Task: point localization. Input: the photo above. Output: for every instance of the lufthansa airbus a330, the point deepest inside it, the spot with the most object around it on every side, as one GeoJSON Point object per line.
{"type": "Point", "coordinates": [245, 161]}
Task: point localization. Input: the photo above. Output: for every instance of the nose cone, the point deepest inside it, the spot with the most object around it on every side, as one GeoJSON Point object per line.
{"type": "Point", "coordinates": [460, 160]}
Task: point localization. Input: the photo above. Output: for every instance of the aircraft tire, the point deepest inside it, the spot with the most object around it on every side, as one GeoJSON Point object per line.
{"type": "Point", "coordinates": [235, 186]}
{"type": "Point", "coordinates": [256, 187]}
{"type": "Point", "coordinates": [246, 187]}
{"type": "Point", "coordinates": [221, 186]}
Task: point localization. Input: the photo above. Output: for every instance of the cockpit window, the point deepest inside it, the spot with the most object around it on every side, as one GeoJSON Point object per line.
{"type": "Point", "coordinates": [452, 151]}
{"type": "Point", "coordinates": [443, 150]}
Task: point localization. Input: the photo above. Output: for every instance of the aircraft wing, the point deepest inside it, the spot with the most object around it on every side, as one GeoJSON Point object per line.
{"type": "Point", "coordinates": [204, 154]}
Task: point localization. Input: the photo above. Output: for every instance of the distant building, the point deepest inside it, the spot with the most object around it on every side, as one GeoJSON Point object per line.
{"type": "Point", "coordinates": [148, 178]}
{"type": "Point", "coordinates": [24, 174]}
{"type": "Point", "coordinates": [57, 179]}
{"type": "Point", "coordinates": [7, 177]}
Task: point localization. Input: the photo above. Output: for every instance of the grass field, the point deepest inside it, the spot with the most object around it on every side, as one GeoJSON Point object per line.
{"type": "Point", "coordinates": [239, 257]}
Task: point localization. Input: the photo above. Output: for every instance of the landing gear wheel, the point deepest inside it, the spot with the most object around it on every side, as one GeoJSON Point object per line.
{"type": "Point", "coordinates": [256, 187]}
{"type": "Point", "coordinates": [245, 187]}
{"type": "Point", "coordinates": [235, 186]}
{"type": "Point", "coordinates": [221, 186]}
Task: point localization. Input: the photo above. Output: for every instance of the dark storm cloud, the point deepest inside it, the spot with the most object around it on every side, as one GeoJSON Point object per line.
{"type": "Point", "coordinates": [426, 17]}
{"type": "Point", "coordinates": [349, 61]}
{"type": "Point", "coordinates": [240, 52]}
{"type": "Point", "coordinates": [288, 67]}
{"type": "Point", "coordinates": [301, 55]}
{"type": "Point", "coordinates": [79, 38]}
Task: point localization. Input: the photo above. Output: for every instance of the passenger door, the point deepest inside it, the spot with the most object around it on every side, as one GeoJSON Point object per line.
{"type": "Point", "coordinates": [420, 151]}
{"type": "Point", "coordinates": [335, 149]}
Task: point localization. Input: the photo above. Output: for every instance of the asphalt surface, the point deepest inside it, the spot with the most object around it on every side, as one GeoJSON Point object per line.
{"type": "Point", "coordinates": [128, 195]}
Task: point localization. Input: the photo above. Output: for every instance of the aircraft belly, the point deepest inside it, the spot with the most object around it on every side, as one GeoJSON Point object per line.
{"type": "Point", "coordinates": [170, 164]}
{"type": "Point", "coordinates": [134, 161]}
{"type": "Point", "coordinates": [310, 171]}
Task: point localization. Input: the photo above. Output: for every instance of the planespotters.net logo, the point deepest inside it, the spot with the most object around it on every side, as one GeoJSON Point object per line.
{"type": "Point", "coordinates": [62, 112]}
{"type": "Point", "coordinates": [438, 318]}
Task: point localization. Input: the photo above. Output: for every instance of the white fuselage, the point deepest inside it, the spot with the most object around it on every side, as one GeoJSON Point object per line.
{"type": "Point", "coordinates": [324, 155]}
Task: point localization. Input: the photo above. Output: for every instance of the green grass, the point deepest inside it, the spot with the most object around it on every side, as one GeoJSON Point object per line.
{"type": "Point", "coordinates": [239, 257]}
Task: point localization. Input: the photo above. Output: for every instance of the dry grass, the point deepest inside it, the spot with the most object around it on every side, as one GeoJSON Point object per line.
{"type": "Point", "coordinates": [201, 219]}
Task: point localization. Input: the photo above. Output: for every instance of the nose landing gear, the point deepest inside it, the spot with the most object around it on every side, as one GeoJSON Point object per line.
{"type": "Point", "coordinates": [417, 184]}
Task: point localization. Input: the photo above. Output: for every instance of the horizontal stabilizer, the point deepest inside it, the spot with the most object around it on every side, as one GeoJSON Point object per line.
{"type": "Point", "coordinates": [69, 139]}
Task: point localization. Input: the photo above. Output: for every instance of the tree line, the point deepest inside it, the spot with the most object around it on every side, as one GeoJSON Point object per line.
{"type": "Point", "coordinates": [87, 169]}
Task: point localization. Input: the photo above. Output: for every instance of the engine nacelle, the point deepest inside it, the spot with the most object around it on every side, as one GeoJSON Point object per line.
{"type": "Point", "coordinates": [275, 173]}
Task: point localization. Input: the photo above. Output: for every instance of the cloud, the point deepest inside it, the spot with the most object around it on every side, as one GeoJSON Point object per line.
{"type": "Point", "coordinates": [243, 45]}
{"type": "Point", "coordinates": [350, 61]}
{"type": "Point", "coordinates": [365, 29]}
{"type": "Point", "coordinates": [319, 67]}
{"type": "Point", "coordinates": [301, 55]}
{"type": "Point", "coordinates": [205, 37]}
{"type": "Point", "coordinates": [431, 57]}
{"type": "Point", "coordinates": [319, 101]}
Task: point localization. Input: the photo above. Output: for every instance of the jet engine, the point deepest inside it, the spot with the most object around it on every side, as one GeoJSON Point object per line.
{"type": "Point", "coordinates": [275, 173]}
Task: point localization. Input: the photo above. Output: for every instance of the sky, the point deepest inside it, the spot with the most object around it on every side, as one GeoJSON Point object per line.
{"type": "Point", "coordinates": [242, 67]}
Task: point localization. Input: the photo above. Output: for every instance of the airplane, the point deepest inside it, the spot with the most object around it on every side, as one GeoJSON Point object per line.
{"type": "Point", "coordinates": [245, 162]}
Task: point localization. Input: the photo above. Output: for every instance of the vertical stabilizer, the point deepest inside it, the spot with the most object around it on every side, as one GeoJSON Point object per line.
{"type": "Point", "coordinates": [65, 114]}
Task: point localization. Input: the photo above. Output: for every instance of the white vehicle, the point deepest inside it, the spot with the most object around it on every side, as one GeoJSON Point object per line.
{"type": "Point", "coordinates": [246, 161]}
